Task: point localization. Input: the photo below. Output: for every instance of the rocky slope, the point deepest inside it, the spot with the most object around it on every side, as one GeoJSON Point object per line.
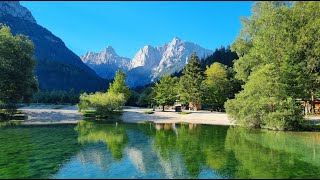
{"type": "Point", "coordinates": [106, 63]}
{"type": "Point", "coordinates": [58, 67]}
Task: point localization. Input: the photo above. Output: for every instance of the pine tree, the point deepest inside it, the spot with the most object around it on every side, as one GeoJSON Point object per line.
{"type": "Point", "coordinates": [190, 82]}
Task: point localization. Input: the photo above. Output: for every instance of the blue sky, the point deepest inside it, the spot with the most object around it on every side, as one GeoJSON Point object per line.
{"type": "Point", "coordinates": [128, 26]}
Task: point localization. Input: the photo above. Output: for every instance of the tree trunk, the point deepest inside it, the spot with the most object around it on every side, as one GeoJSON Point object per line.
{"type": "Point", "coordinates": [312, 103]}
{"type": "Point", "coordinates": [162, 108]}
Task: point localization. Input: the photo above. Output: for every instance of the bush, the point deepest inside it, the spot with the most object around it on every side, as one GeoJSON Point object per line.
{"type": "Point", "coordinates": [104, 103]}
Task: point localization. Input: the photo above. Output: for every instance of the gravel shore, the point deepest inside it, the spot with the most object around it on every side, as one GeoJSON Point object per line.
{"type": "Point", "coordinates": [137, 115]}
{"type": "Point", "coordinates": [48, 114]}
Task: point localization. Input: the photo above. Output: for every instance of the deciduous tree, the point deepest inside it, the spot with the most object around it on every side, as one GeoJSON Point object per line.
{"type": "Point", "coordinates": [17, 79]}
{"type": "Point", "coordinates": [166, 91]}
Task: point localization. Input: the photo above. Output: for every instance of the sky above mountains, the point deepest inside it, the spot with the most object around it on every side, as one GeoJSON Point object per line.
{"type": "Point", "coordinates": [128, 26]}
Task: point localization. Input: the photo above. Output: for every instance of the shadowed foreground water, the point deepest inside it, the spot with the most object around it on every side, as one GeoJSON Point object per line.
{"type": "Point", "coordinates": [106, 150]}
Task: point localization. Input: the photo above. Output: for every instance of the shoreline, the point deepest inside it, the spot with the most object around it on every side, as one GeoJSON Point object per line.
{"type": "Point", "coordinates": [58, 114]}
{"type": "Point", "coordinates": [66, 114]}
{"type": "Point", "coordinates": [137, 115]}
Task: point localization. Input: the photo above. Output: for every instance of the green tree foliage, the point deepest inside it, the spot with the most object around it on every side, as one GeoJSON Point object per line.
{"type": "Point", "coordinates": [133, 99]}
{"type": "Point", "coordinates": [59, 75]}
{"type": "Point", "coordinates": [264, 103]}
{"type": "Point", "coordinates": [17, 82]}
{"type": "Point", "coordinates": [166, 91]}
{"type": "Point", "coordinates": [56, 97]}
{"type": "Point", "coordinates": [110, 102]}
{"type": "Point", "coordinates": [216, 86]}
{"type": "Point", "coordinates": [282, 35]}
{"type": "Point", "coordinates": [222, 55]}
{"type": "Point", "coordinates": [104, 103]}
{"type": "Point", "coordinates": [235, 85]}
{"type": "Point", "coordinates": [119, 86]}
{"type": "Point", "coordinates": [190, 82]}
{"type": "Point", "coordinates": [146, 97]}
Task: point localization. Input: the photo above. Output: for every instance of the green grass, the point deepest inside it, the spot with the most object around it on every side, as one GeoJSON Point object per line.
{"type": "Point", "coordinates": [149, 112]}
{"type": "Point", "coordinates": [184, 112]}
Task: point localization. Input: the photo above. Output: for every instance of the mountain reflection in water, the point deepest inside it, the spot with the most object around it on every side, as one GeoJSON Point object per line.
{"type": "Point", "coordinates": [108, 150]}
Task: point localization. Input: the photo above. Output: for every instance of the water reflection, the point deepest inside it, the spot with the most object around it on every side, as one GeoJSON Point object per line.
{"type": "Point", "coordinates": [113, 135]}
{"type": "Point", "coordinates": [103, 150]}
{"type": "Point", "coordinates": [270, 154]}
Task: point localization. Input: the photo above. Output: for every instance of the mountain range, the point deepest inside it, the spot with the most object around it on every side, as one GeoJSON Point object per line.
{"type": "Point", "coordinates": [58, 68]}
{"type": "Point", "coordinates": [149, 63]}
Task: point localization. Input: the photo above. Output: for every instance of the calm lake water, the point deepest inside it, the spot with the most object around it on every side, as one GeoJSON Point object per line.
{"type": "Point", "coordinates": [106, 150]}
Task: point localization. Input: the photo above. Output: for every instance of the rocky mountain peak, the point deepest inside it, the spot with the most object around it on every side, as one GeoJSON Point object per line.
{"type": "Point", "coordinates": [147, 48]}
{"type": "Point", "coordinates": [110, 50]}
{"type": "Point", "coordinates": [13, 8]}
{"type": "Point", "coordinates": [148, 63]}
{"type": "Point", "coordinates": [176, 40]}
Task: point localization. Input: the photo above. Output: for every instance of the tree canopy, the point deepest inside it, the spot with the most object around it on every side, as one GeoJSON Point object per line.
{"type": "Point", "coordinates": [109, 102]}
{"type": "Point", "coordinates": [119, 86]}
{"type": "Point", "coordinates": [216, 86]}
{"type": "Point", "coordinates": [166, 91]}
{"type": "Point", "coordinates": [191, 81]}
{"type": "Point", "coordinates": [17, 82]}
{"type": "Point", "coordinates": [278, 49]}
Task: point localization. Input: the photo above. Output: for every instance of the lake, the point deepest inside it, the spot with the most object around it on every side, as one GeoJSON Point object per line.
{"type": "Point", "coordinates": [109, 150]}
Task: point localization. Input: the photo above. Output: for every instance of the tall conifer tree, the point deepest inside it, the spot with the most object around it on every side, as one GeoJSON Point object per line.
{"type": "Point", "coordinates": [190, 83]}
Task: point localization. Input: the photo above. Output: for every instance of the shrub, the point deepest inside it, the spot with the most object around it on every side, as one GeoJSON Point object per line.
{"type": "Point", "coordinates": [104, 103]}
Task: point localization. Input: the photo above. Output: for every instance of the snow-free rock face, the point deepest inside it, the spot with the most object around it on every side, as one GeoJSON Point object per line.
{"type": "Point", "coordinates": [176, 55]}
{"type": "Point", "coordinates": [106, 63]}
{"type": "Point", "coordinates": [149, 63]}
{"type": "Point", "coordinates": [14, 9]}
{"type": "Point", "coordinates": [57, 66]}
{"type": "Point", "coordinates": [147, 56]}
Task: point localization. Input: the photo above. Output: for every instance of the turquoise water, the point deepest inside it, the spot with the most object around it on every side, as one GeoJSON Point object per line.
{"type": "Point", "coordinates": [108, 150]}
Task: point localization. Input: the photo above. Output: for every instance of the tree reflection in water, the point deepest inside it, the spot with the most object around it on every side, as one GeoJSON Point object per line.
{"type": "Point", "coordinates": [190, 150]}
{"type": "Point", "coordinates": [241, 153]}
{"type": "Point", "coordinates": [103, 150]}
{"type": "Point", "coordinates": [113, 135]}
